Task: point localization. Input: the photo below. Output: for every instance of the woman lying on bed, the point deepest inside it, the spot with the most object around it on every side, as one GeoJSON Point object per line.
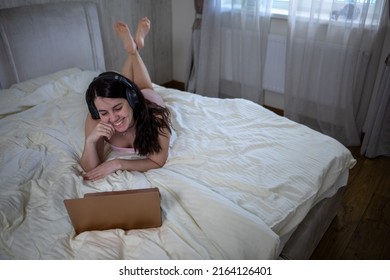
{"type": "Point", "coordinates": [126, 113]}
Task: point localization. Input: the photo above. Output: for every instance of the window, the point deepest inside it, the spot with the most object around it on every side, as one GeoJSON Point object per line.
{"type": "Point", "coordinates": [279, 7]}
{"type": "Point", "coordinates": [353, 10]}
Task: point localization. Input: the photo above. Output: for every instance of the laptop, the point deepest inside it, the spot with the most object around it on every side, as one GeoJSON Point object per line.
{"type": "Point", "coordinates": [130, 209]}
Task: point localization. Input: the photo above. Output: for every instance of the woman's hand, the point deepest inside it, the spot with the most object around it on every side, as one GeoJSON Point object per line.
{"type": "Point", "coordinates": [101, 130]}
{"type": "Point", "coordinates": [95, 132]}
{"type": "Point", "coordinates": [102, 170]}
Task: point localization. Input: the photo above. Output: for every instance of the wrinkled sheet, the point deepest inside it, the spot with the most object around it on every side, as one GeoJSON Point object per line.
{"type": "Point", "coordinates": [238, 176]}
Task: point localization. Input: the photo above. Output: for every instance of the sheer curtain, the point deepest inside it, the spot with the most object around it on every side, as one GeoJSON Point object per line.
{"type": "Point", "coordinates": [194, 50]}
{"type": "Point", "coordinates": [232, 46]}
{"type": "Point", "coordinates": [331, 66]}
{"type": "Point", "coordinates": [376, 141]}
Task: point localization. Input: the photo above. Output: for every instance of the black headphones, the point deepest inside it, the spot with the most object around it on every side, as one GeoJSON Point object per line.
{"type": "Point", "coordinates": [131, 91]}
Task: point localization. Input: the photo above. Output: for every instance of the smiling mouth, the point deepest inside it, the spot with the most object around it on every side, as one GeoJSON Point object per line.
{"type": "Point", "coordinates": [119, 123]}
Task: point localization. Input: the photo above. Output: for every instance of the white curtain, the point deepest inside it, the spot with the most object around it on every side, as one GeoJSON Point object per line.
{"type": "Point", "coordinates": [376, 140]}
{"type": "Point", "coordinates": [331, 66]}
{"type": "Point", "coordinates": [232, 45]}
{"type": "Point", "coordinates": [194, 48]}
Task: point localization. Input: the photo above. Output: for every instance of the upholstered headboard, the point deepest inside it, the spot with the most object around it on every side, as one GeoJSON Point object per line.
{"type": "Point", "coordinates": [37, 40]}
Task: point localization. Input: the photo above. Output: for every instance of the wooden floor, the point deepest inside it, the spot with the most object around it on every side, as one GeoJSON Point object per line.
{"type": "Point", "coordinates": [361, 230]}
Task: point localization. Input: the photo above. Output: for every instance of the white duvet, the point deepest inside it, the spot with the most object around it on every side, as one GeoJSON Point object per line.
{"type": "Point", "coordinates": [237, 177]}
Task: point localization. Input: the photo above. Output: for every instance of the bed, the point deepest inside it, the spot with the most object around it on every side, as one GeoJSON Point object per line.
{"type": "Point", "coordinates": [240, 182]}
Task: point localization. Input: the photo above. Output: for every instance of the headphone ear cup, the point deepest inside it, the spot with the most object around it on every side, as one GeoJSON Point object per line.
{"type": "Point", "coordinates": [132, 97]}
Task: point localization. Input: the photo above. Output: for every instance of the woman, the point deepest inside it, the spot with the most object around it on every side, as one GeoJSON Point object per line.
{"type": "Point", "coordinates": [126, 113]}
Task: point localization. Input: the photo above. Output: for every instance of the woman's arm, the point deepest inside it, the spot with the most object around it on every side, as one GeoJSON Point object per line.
{"type": "Point", "coordinates": [93, 152]}
{"type": "Point", "coordinates": [153, 161]}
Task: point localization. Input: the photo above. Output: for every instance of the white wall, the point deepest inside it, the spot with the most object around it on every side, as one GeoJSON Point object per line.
{"type": "Point", "coordinates": [183, 15]}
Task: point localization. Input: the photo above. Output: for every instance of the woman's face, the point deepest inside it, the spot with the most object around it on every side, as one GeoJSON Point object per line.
{"type": "Point", "coordinates": [115, 111]}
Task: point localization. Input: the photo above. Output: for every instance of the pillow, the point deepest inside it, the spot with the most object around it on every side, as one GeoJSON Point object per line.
{"type": "Point", "coordinates": [33, 84]}
{"type": "Point", "coordinates": [25, 95]}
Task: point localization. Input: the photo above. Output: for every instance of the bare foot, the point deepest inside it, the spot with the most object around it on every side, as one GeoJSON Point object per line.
{"type": "Point", "coordinates": [122, 30]}
{"type": "Point", "coordinates": [142, 30]}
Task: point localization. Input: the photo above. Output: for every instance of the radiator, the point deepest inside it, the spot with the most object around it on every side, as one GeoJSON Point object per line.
{"type": "Point", "coordinates": [274, 68]}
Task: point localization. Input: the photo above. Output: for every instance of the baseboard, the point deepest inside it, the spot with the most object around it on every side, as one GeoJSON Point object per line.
{"type": "Point", "coordinates": [175, 84]}
{"type": "Point", "coordinates": [277, 111]}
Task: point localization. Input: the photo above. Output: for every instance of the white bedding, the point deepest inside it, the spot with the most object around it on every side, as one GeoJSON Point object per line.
{"type": "Point", "coordinates": [238, 177]}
